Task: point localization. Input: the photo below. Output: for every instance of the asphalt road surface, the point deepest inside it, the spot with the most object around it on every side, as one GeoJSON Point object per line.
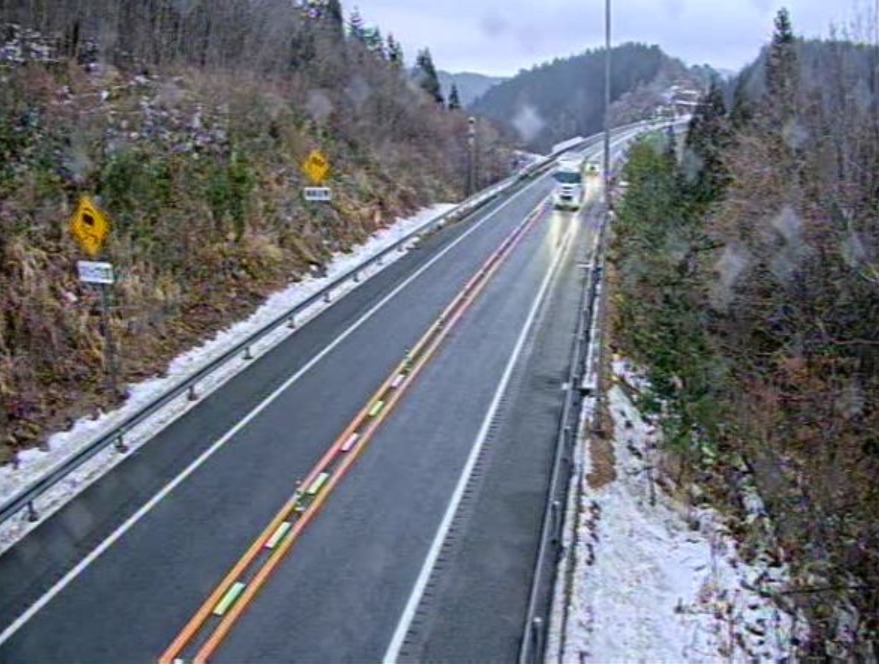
{"type": "Point", "coordinates": [339, 594]}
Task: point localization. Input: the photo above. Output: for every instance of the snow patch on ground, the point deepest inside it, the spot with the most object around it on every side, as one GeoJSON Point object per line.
{"type": "Point", "coordinates": [36, 463]}
{"type": "Point", "coordinates": [655, 582]}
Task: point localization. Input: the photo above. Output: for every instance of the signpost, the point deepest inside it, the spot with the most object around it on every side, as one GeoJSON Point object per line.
{"type": "Point", "coordinates": [91, 227]}
{"type": "Point", "coordinates": [316, 168]}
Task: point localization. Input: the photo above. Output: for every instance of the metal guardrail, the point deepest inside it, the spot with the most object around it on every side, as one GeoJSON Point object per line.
{"type": "Point", "coordinates": [24, 500]}
{"type": "Point", "coordinates": [535, 630]}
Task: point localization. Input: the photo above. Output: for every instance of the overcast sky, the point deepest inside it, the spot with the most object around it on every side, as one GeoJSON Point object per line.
{"type": "Point", "coordinates": [500, 37]}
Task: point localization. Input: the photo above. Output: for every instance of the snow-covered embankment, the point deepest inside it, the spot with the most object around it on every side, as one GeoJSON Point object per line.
{"type": "Point", "coordinates": [653, 580]}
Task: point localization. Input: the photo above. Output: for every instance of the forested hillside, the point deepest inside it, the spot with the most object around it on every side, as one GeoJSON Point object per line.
{"type": "Point", "coordinates": [189, 122]}
{"type": "Point", "coordinates": [747, 281]}
{"type": "Point", "coordinates": [565, 97]}
{"type": "Point", "coordinates": [470, 86]}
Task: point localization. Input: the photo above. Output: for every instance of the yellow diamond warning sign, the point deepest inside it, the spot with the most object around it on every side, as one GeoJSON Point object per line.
{"type": "Point", "coordinates": [89, 226]}
{"type": "Point", "coordinates": [316, 167]}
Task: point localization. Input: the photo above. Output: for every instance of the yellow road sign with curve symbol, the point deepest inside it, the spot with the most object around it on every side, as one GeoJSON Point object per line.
{"type": "Point", "coordinates": [89, 226]}
{"type": "Point", "coordinates": [316, 166]}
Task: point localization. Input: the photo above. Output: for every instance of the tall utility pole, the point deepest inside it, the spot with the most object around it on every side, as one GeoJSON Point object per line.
{"type": "Point", "coordinates": [607, 104]}
{"type": "Point", "coordinates": [471, 159]}
{"type": "Point", "coordinates": [876, 57]}
{"type": "Point", "coordinates": [605, 227]}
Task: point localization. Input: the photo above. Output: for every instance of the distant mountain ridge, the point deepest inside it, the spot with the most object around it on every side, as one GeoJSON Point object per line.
{"type": "Point", "coordinates": [470, 85]}
{"type": "Point", "coordinates": [563, 98]}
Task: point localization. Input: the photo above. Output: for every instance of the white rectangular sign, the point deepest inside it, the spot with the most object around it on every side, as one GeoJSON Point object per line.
{"type": "Point", "coordinates": [317, 193]}
{"type": "Point", "coordinates": [93, 272]}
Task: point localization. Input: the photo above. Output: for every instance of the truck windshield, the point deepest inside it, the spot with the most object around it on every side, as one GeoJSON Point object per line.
{"type": "Point", "coordinates": [568, 177]}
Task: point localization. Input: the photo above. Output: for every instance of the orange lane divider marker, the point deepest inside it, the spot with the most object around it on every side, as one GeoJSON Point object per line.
{"type": "Point", "coordinates": [232, 595]}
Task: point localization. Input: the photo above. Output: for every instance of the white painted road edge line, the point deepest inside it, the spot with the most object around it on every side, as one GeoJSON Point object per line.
{"type": "Point", "coordinates": [95, 553]}
{"type": "Point", "coordinates": [393, 651]}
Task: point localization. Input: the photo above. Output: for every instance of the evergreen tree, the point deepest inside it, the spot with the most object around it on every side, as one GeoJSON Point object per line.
{"type": "Point", "coordinates": [334, 18]}
{"type": "Point", "coordinates": [707, 139]}
{"type": "Point", "coordinates": [779, 118]}
{"type": "Point", "coordinates": [356, 27]}
{"type": "Point", "coordinates": [427, 76]}
{"type": "Point", "coordinates": [301, 45]}
{"type": "Point", "coordinates": [327, 14]}
{"type": "Point", "coordinates": [742, 111]}
{"type": "Point", "coordinates": [374, 41]}
{"type": "Point", "coordinates": [454, 100]}
{"type": "Point", "coordinates": [395, 51]}
{"type": "Point", "coordinates": [782, 71]}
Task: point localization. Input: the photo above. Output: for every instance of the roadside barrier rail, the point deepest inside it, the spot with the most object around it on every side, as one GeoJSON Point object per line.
{"type": "Point", "coordinates": [25, 500]}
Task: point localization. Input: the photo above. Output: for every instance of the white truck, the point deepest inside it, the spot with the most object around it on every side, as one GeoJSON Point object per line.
{"type": "Point", "coordinates": [570, 188]}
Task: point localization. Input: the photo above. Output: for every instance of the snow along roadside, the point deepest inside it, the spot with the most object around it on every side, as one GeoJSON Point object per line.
{"type": "Point", "coordinates": [35, 463]}
{"type": "Point", "coordinates": [645, 585]}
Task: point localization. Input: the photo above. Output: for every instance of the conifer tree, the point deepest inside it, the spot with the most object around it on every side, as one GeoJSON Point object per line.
{"type": "Point", "coordinates": [327, 14]}
{"type": "Point", "coordinates": [707, 139]}
{"type": "Point", "coordinates": [454, 99]}
{"type": "Point", "coordinates": [394, 51]}
{"type": "Point", "coordinates": [427, 75]}
{"type": "Point", "coordinates": [779, 118]}
{"type": "Point", "coordinates": [782, 71]}
{"type": "Point", "coordinates": [356, 27]}
{"type": "Point", "coordinates": [334, 18]}
{"type": "Point", "coordinates": [742, 111]}
{"type": "Point", "coordinates": [374, 41]}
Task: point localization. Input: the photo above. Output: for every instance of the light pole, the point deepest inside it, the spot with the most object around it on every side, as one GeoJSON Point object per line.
{"type": "Point", "coordinates": [603, 233]}
{"type": "Point", "coordinates": [876, 55]}
{"type": "Point", "coordinates": [471, 156]}
{"type": "Point", "coordinates": [607, 104]}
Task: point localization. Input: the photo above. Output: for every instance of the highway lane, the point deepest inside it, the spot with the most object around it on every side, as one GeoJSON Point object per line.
{"type": "Point", "coordinates": [339, 595]}
{"type": "Point", "coordinates": [159, 570]}
{"type": "Point", "coordinates": [477, 600]}
{"type": "Point", "coordinates": [175, 553]}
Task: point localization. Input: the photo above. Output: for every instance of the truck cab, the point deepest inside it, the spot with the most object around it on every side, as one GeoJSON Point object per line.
{"type": "Point", "coordinates": [570, 189]}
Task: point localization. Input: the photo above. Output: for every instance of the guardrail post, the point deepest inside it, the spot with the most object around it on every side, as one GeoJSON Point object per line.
{"type": "Point", "coordinates": [568, 442]}
{"type": "Point", "coordinates": [120, 445]}
{"type": "Point", "coordinates": [247, 354]}
{"type": "Point", "coordinates": [328, 297]}
{"type": "Point", "coordinates": [357, 277]}
{"type": "Point", "coordinates": [291, 322]}
{"type": "Point", "coordinates": [556, 520]}
{"type": "Point", "coordinates": [537, 638]}
{"type": "Point", "coordinates": [192, 395]}
{"type": "Point", "coordinates": [32, 514]}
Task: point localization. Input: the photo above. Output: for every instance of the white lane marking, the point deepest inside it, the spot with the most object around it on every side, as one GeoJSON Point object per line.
{"type": "Point", "coordinates": [93, 555]}
{"type": "Point", "coordinates": [393, 651]}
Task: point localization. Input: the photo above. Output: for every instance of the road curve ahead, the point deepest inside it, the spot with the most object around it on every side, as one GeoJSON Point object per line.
{"type": "Point", "coordinates": [340, 594]}
{"type": "Point", "coordinates": [116, 557]}
{"type": "Point", "coordinates": [120, 571]}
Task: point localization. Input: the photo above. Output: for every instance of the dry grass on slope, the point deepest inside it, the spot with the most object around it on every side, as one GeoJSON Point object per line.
{"type": "Point", "coordinates": [200, 174]}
